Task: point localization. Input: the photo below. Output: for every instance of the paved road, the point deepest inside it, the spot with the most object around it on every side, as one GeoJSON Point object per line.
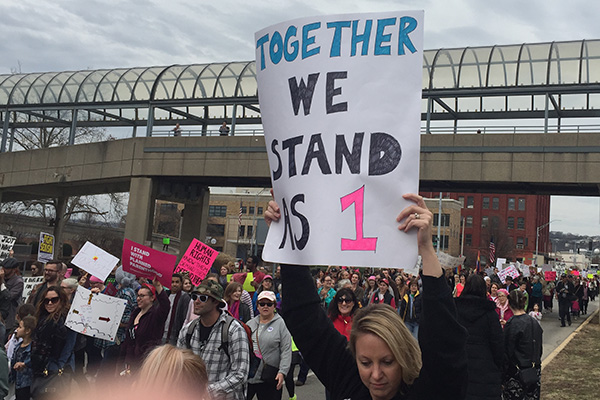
{"type": "Point", "coordinates": [554, 335]}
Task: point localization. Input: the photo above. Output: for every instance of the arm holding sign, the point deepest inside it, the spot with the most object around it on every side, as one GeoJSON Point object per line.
{"type": "Point", "coordinates": [442, 339]}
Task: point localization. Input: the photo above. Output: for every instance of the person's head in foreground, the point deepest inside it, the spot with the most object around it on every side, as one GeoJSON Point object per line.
{"type": "Point", "coordinates": [387, 356]}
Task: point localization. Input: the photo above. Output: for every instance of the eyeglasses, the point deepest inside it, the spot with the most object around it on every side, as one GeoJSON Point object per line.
{"type": "Point", "coordinates": [345, 300]}
{"type": "Point", "coordinates": [51, 300]}
{"type": "Point", "coordinates": [202, 297]}
{"type": "Point", "coordinates": [263, 304]}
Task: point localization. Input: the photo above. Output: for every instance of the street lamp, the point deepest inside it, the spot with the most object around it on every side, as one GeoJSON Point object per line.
{"type": "Point", "coordinates": [537, 236]}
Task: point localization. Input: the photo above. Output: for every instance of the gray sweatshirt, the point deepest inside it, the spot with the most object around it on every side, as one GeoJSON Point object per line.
{"type": "Point", "coordinates": [275, 344]}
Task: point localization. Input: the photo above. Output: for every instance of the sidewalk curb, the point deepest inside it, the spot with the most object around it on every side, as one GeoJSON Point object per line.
{"type": "Point", "coordinates": [564, 344]}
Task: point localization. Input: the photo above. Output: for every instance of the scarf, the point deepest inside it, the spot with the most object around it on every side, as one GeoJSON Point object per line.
{"type": "Point", "coordinates": [502, 308]}
{"type": "Point", "coordinates": [234, 309]}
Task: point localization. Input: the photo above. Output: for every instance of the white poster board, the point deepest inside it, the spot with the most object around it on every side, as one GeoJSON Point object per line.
{"type": "Point", "coordinates": [95, 315]}
{"type": "Point", "coordinates": [6, 245]}
{"type": "Point", "coordinates": [96, 261]}
{"type": "Point", "coordinates": [449, 262]}
{"type": "Point", "coordinates": [511, 271]}
{"type": "Point", "coordinates": [29, 283]}
{"type": "Point", "coordinates": [342, 115]}
{"type": "Point", "coordinates": [500, 263]}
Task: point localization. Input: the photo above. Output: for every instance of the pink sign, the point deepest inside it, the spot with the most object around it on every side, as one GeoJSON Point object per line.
{"type": "Point", "coordinates": [550, 275]}
{"type": "Point", "coordinates": [197, 260]}
{"type": "Point", "coordinates": [145, 262]}
{"type": "Point", "coordinates": [575, 272]}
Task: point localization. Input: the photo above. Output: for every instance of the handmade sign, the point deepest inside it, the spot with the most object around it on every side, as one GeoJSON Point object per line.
{"type": "Point", "coordinates": [340, 100]}
{"type": "Point", "coordinates": [197, 260]}
{"type": "Point", "coordinates": [511, 271]}
{"type": "Point", "coordinates": [449, 262]}
{"type": "Point", "coordinates": [146, 262]}
{"type": "Point", "coordinates": [6, 245]}
{"type": "Point", "coordinates": [46, 248]}
{"type": "Point", "coordinates": [29, 283]}
{"type": "Point", "coordinates": [500, 263]}
{"type": "Point", "coordinates": [550, 275]}
{"type": "Point", "coordinates": [95, 315]}
{"type": "Point", "coordinates": [96, 261]}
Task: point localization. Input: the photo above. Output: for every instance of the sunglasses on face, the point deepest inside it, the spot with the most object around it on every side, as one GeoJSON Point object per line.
{"type": "Point", "coordinates": [202, 297]}
{"type": "Point", "coordinates": [345, 300]}
{"type": "Point", "coordinates": [51, 300]}
{"type": "Point", "coordinates": [263, 304]}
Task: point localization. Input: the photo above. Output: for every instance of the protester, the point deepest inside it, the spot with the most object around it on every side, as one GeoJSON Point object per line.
{"type": "Point", "coordinates": [14, 285]}
{"type": "Point", "coordinates": [237, 308]}
{"type": "Point", "coordinates": [523, 352]}
{"type": "Point", "coordinates": [371, 288]}
{"type": "Point", "coordinates": [536, 314]}
{"type": "Point", "coordinates": [53, 342]}
{"type": "Point", "coordinates": [21, 374]}
{"type": "Point", "coordinates": [548, 294]}
{"type": "Point", "coordinates": [187, 284]}
{"type": "Point", "coordinates": [494, 291]}
{"type": "Point", "coordinates": [227, 363]}
{"type": "Point", "coordinates": [502, 307]}
{"type": "Point", "coordinates": [51, 278]}
{"type": "Point", "coordinates": [273, 346]}
{"type": "Point", "coordinates": [146, 325]}
{"type": "Point", "coordinates": [384, 360]}
{"type": "Point", "coordinates": [342, 309]}
{"type": "Point", "coordinates": [383, 295]}
{"type": "Point", "coordinates": [564, 294]}
{"type": "Point", "coordinates": [485, 345]}
{"type": "Point", "coordinates": [410, 308]}
{"type": "Point", "coordinates": [265, 284]}
{"type": "Point", "coordinates": [536, 293]}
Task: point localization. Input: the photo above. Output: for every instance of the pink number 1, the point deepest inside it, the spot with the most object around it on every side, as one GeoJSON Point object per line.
{"type": "Point", "coordinates": [360, 243]}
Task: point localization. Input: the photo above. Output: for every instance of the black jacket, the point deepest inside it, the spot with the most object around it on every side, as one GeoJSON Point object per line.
{"type": "Point", "coordinates": [522, 343]}
{"type": "Point", "coordinates": [416, 306]}
{"type": "Point", "coordinates": [441, 338]}
{"type": "Point", "coordinates": [485, 346]}
{"type": "Point", "coordinates": [565, 292]}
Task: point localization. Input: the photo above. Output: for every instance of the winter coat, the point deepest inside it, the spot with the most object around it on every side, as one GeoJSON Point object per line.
{"type": "Point", "coordinates": [484, 346]}
{"type": "Point", "coordinates": [416, 306]}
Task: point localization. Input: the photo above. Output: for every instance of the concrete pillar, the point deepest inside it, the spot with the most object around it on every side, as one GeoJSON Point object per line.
{"type": "Point", "coordinates": [140, 210]}
{"type": "Point", "coordinates": [193, 224]}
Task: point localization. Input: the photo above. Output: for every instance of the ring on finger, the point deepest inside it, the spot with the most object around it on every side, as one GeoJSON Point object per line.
{"type": "Point", "coordinates": [417, 216]}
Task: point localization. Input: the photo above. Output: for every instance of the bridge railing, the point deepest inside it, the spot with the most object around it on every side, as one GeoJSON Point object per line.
{"type": "Point", "coordinates": [209, 132]}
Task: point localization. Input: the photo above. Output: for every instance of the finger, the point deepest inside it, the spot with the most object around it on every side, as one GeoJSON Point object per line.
{"type": "Point", "coordinates": [416, 198]}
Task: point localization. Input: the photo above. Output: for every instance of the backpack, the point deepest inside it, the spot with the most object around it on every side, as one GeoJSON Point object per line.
{"type": "Point", "coordinates": [229, 319]}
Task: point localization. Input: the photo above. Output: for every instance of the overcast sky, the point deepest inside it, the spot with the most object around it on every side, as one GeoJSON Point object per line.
{"type": "Point", "coordinates": [65, 35]}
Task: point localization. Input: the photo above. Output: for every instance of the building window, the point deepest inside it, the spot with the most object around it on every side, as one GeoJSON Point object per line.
{"type": "Point", "coordinates": [468, 239]}
{"type": "Point", "coordinates": [168, 207]}
{"type": "Point", "coordinates": [242, 231]}
{"type": "Point", "coordinates": [511, 203]}
{"type": "Point", "coordinates": [511, 222]}
{"type": "Point", "coordinates": [520, 223]}
{"type": "Point", "coordinates": [445, 219]}
{"type": "Point", "coordinates": [260, 211]}
{"type": "Point", "coordinates": [215, 230]}
{"type": "Point", "coordinates": [495, 203]}
{"type": "Point", "coordinates": [495, 221]}
{"type": "Point", "coordinates": [521, 204]}
{"type": "Point", "coordinates": [484, 222]}
{"type": "Point", "coordinates": [469, 220]}
{"type": "Point", "coordinates": [470, 202]}
{"type": "Point", "coordinates": [486, 203]}
{"type": "Point", "coordinates": [252, 210]}
{"type": "Point", "coordinates": [461, 200]}
{"type": "Point", "coordinates": [217, 211]}
{"type": "Point", "coordinates": [519, 243]}
{"type": "Point", "coordinates": [250, 229]}
{"type": "Point", "coordinates": [244, 210]}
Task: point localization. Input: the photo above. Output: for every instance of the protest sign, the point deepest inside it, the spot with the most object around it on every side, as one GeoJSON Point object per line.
{"type": "Point", "coordinates": [449, 262]}
{"type": "Point", "coordinates": [526, 271]}
{"type": "Point", "coordinates": [96, 261]}
{"type": "Point", "coordinates": [6, 245]}
{"type": "Point", "coordinates": [46, 248]}
{"type": "Point", "coordinates": [511, 271]}
{"type": "Point", "coordinates": [550, 275]}
{"type": "Point", "coordinates": [95, 315]}
{"type": "Point", "coordinates": [500, 263]}
{"type": "Point", "coordinates": [196, 261]}
{"type": "Point", "coordinates": [340, 100]}
{"type": "Point", "coordinates": [145, 262]}
{"type": "Point", "coordinates": [29, 283]}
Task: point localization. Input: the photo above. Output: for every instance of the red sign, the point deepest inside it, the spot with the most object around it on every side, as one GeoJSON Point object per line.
{"type": "Point", "coordinates": [197, 260]}
{"type": "Point", "coordinates": [145, 262]}
{"type": "Point", "coordinates": [550, 275]}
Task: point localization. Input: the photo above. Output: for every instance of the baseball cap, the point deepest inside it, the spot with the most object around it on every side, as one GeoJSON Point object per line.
{"type": "Point", "coordinates": [267, 294]}
{"type": "Point", "coordinates": [212, 289]}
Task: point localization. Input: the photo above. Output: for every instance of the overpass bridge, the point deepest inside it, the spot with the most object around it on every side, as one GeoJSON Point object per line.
{"type": "Point", "coordinates": [181, 169]}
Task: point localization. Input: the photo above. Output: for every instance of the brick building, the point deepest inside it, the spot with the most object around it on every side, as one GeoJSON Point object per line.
{"type": "Point", "coordinates": [511, 219]}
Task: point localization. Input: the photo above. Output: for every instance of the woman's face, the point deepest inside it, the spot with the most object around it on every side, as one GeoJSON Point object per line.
{"type": "Point", "coordinates": [345, 274]}
{"type": "Point", "coordinates": [462, 279]}
{"type": "Point", "coordinates": [378, 369]}
{"type": "Point", "coordinates": [371, 283]}
{"type": "Point", "coordinates": [494, 290]}
{"type": "Point", "coordinates": [354, 279]}
{"type": "Point", "coordinates": [187, 285]}
{"type": "Point", "coordinates": [398, 280]}
{"type": "Point", "coordinates": [266, 308]}
{"type": "Point", "coordinates": [235, 296]}
{"type": "Point", "coordinates": [345, 304]}
{"type": "Point", "coordinates": [267, 284]}
{"type": "Point", "coordinates": [51, 302]}
{"type": "Point", "coordinates": [144, 298]}
{"type": "Point", "coordinates": [224, 270]}
{"type": "Point", "coordinates": [502, 298]}
{"type": "Point", "coordinates": [383, 287]}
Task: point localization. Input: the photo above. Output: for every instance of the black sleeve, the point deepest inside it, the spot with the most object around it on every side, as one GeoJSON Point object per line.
{"type": "Point", "coordinates": [322, 346]}
{"type": "Point", "coordinates": [443, 344]}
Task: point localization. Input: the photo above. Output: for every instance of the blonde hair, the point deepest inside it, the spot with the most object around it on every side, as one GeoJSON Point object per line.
{"type": "Point", "coordinates": [382, 321]}
{"type": "Point", "coordinates": [170, 369]}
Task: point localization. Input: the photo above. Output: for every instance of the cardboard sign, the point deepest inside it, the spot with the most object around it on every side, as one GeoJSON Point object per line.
{"type": "Point", "coordinates": [550, 275]}
{"type": "Point", "coordinates": [46, 248]}
{"type": "Point", "coordinates": [449, 262]}
{"type": "Point", "coordinates": [95, 315]}
{"type": "Point", "coordinates": [500, 263]}
{"type": "Point", "coordinates": [340, 100]}
{"type": "Point", "coordinates": [96, 261]}
{"type": "Point", "coordinates": [197, 261]}
{"type": "Point", "coordinates": [30, 282]}
{"type": "Point", "coordinates": [6, 245]}
{"type": "Point", "coordinates": [511, 271]}
{"type": "Point", "coordinates": [144, 262]}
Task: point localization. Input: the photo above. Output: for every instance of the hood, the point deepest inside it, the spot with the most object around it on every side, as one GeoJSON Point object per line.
{"type": "Point", "coordinates": [471, 308]}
